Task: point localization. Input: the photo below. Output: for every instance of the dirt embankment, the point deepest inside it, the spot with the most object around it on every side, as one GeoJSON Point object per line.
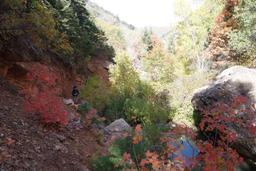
{"type": "Point", "coordinates": [25, 144]}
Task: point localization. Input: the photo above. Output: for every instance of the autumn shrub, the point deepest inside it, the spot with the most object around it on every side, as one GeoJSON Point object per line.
{"type": "Point", "coordinates": [96, 92]}
{"type": "Point", "coordinates": [133, 148]}
{"type": "Point", "coordinates": [47, 102]}
{"type": "Point", "coordinates": [50, 107]}
{"type": "Point", "coordinates": [152, 148]}
{"type": "Point", "coordinates": [216, 126]}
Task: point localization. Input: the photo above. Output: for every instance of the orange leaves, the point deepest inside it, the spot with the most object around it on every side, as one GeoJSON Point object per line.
{"type": "Point", "coordinates": [143, 163]}
{"type": "Point", "coordinates": [217, 158]}
{"type": "Point", "coordinates": [137, 138]}
{"type": "Point", "coordinates": [151, 158]}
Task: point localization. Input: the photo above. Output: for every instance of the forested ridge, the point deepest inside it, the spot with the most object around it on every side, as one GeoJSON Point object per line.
{"type": "Point", "coordinates": [84, 90]}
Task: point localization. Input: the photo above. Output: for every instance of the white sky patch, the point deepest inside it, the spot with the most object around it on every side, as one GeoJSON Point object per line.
{"type": "Point", "coordinates": [142, 13]}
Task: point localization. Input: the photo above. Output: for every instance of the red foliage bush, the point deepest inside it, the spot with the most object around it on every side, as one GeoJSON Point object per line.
{"type": "Point", "coordinates": [215, 153]}
{"type": "Point", "coordinates": [50, 108]}
{"type": "Point", "coordinates": [217, 125]}
{"type": "Point", "coordinates": [47, 101]}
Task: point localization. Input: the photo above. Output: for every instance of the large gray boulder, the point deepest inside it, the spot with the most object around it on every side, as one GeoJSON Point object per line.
{"type": "Point", "coordinates": [231, 83]}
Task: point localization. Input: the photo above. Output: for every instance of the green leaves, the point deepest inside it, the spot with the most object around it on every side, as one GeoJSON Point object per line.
{"type": "Point", "coordinates": [61, 27]}
{"type": "Point", "coordinates": [96, 92]}
{"type": "Point", "coordinates": [241, 39]}
{"type": "Point", "coordinates": [190, 37]}
{"type": "Point", "coordinates": [75, 21]}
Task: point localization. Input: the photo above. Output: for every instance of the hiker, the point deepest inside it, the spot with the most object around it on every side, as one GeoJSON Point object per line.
{"type": "Point", "coordinates": [75, 93]}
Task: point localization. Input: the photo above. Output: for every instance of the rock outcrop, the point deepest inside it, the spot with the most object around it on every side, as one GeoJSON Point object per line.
{"type": "Point", "coordinates": [234, 82]}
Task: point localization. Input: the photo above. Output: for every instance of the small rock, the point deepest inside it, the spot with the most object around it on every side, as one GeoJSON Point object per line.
{"type": "Point", "coordinates": [61, 138]}
{"type": "Point", "coordinates": [26, 165]}
{"type": "Point", "coordinates": [68, 102]}
{"type": "Point", "coordinates": [57, 147]}
{"type": "Point", "coordinates": [38, 149]}
{"type": "Point", "coordinates": [119, 125]}
{"type": "Point", "coordinates": [61, 148]}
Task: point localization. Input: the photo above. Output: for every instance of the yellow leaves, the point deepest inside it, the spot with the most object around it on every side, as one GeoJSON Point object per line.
{"type": "Point", "coordinates": [137, 139]}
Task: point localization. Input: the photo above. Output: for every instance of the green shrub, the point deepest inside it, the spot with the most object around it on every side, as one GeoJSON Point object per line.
{"type": "Point", "coordinates": [112, 162]}
{"type": "Point", "coordinates": [84, 108]}
{"type": "Point", "coordinates": [181, 92]}
{"type": "Point", "coordinates": [137, 109]}
{"type": "Point", "coordinates": [96, 92]}
{"type": "Point", "coordinates": [242, 39]}
{"type": "Point", "coordinates": [151, 141]}
{"type": "Point", "coordinates": [115, 108]}
{"type": "Point", "coordinates": [104, 163]}
{"type": "Point", "coordinates": [152, 134]}
{"type": "Point", "coordinates": [133, 99]}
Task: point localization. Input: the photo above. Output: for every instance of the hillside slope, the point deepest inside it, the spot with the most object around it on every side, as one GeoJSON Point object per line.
{"type": "Point", "coordinates": [25, 144]}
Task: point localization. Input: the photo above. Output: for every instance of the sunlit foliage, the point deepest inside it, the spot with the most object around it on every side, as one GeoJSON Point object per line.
{"type": "Point", "coordinates": [243, 39]}
{"type": "Point", "coordinates": [190, 37]}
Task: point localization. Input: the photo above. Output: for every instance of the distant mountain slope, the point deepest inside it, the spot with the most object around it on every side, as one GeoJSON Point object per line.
{"type": "Point", "coordinates": [107, 16]}
{"type": "Point", "coordinates": [129, 32]}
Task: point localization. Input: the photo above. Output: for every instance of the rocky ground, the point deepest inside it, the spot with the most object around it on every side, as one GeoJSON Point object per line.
{"type": "Point", "coordinates": [26, 144]}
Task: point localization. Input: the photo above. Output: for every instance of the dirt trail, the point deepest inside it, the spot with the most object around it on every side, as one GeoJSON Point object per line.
{"type": "Point", "coordinates": [25, 144]}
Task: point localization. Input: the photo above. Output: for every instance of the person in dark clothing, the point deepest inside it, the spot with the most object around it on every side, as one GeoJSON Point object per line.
{"type": "Point", "coordinates": [75, 94]}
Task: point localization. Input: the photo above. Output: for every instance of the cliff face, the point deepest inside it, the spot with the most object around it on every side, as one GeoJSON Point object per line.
{"type": "Point", "coordinates": [17, 73]}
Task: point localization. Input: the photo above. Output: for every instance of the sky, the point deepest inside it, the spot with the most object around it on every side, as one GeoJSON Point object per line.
{"type": "Point", "coordinates": [142, 13]}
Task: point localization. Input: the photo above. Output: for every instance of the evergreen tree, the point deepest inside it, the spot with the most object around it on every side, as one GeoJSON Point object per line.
{"type": "Point", "coordinates": [146, 39]}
